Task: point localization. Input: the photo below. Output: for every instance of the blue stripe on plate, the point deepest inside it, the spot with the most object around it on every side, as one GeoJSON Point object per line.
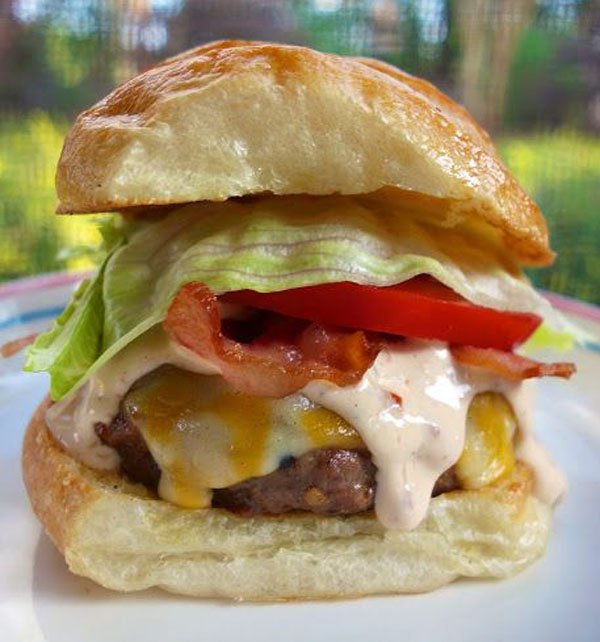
{"type": "Point", "coordinates": [33, 315]}
{"type": "Point", "coordinates": [591, 346]}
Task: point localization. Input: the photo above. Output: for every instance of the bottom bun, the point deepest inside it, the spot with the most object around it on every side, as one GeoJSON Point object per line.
{"type": "Point", "coordinates": [121, 536]}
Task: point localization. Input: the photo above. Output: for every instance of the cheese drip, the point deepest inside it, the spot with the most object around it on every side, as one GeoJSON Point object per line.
{"type": "Point", "coordinates": [204, 435]}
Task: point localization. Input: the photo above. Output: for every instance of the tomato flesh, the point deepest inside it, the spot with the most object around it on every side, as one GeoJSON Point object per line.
{"type": "Point", "coordinates": [420, 308]}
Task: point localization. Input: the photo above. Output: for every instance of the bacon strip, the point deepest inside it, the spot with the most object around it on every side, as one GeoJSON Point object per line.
{"type": "Point", "coordinates": [12, 347]}
{"type": "Point", "coordinates": [280, 362]}
{"type": "Point", "coordinates": [289, 353]}
{"type": "Point", "coordinates": [509, 365]}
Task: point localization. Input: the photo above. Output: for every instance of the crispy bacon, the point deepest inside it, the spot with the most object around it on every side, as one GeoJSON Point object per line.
{"type": "Point", "coordinates": [12, 347]}
{"type": "Point", "coordinates": [509, 365]}
{"type": "Point", "coordinates": [282, 360]}
{"type": "Point", "coordinates": [288, 353]}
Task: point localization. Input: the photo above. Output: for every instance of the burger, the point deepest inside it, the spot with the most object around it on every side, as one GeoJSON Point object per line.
{"type": "Point", "coordinates": [295, 373]}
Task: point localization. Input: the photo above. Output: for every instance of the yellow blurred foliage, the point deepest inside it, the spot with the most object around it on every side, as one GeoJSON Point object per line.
{"type": "Point", "coordinates": [32, 234]}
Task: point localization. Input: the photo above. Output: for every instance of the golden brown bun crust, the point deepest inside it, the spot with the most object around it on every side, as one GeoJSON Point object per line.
{"type": "Point", "coordinates": [117, 534]}
{"type": "Point", "coordinates": [236, 118]}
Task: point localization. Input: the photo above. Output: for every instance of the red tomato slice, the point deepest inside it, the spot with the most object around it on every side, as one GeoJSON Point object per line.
{"type": "Point", "coordinates": [421, 307]}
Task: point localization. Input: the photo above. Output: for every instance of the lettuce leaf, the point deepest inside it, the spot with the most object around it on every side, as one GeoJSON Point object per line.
{"type": "Point", "coordinates": [559, 339]}
{"type": "Point", "coordinates": [73, 343]}
{"type": "Point", "coordinates": [268, 244]}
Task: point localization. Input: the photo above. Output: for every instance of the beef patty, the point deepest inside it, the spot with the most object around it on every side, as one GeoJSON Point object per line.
{"type": "Point", "coordinates": [330, 481]}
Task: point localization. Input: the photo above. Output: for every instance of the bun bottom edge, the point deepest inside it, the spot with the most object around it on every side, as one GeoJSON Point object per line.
{"type": "Point", "coordinates": [124, 538]}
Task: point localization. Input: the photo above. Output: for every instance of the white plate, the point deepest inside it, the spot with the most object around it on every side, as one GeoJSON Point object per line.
{"type": "Point", "coordinates": [556, 599]}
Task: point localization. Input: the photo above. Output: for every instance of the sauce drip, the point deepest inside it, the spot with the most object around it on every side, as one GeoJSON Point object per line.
{"type": "Point", "coordinates": [410, 409]}
{"type": "Point", "coordinates": [72, 419]}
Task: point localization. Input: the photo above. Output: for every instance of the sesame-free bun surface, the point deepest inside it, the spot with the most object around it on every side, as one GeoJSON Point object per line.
{"type": "Point", "coordinates": [237, 118]}
{"type": "Point", "coordinates": [120, 536]}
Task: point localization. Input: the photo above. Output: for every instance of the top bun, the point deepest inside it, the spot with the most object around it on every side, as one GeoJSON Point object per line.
{"type": "Point", "coordinates": [235, 118]}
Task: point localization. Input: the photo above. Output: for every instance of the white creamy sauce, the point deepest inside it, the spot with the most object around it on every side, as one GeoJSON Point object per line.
{"type": "Point", "coordinates": [72, 419]}
{"type": "Point", "coordinates": [550, 482]}
{"type": "Point", "coordinates": [410, 409]}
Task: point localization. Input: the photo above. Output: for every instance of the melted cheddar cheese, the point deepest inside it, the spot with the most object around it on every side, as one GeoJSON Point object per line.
{"type": "Point", "coordinates": [204, 435]}
{"type": "Point", "coordinates": [488, 452]}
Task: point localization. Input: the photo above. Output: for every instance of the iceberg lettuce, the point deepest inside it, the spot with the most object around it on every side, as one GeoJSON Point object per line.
{"type": "Point", "coordinates": [74, 342]}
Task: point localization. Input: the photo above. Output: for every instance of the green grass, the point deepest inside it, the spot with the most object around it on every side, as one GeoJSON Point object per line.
{"type": "Point", "coordinates": [561, 170]}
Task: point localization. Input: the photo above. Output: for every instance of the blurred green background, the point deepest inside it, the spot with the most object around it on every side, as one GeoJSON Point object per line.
{"type": "Point", "coordinates": [528, 69]}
